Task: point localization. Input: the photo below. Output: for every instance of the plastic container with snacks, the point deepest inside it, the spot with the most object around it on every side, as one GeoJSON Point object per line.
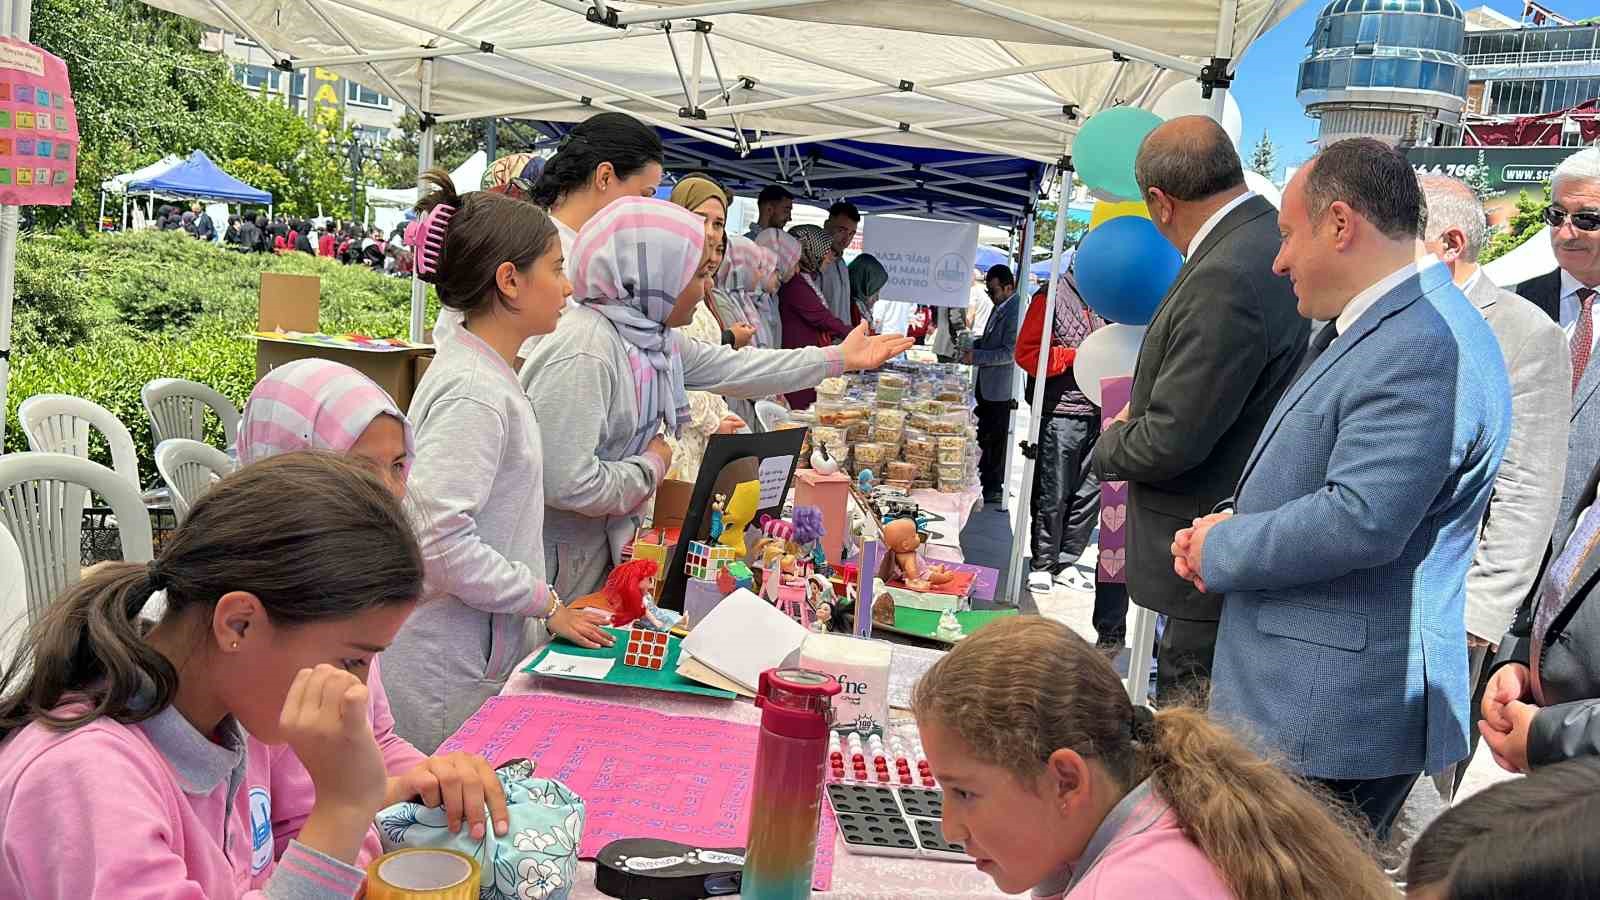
{"type": "Point", "coordinates": [871, 455]}
{"type": "Point", "coordinates": [953, 423]}
{"type": "Point", "coordinates": [833, 388]}
{"type": "Point", "coordinates": [901, 471]}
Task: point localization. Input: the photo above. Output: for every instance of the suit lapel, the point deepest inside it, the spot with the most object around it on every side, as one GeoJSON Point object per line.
{"type": "Point", "coordinates": [1403, 295]}
{"type": "Point", "coordinates": [1586, 388]}
{"type": "Point", "coordinates": [1484, 293]}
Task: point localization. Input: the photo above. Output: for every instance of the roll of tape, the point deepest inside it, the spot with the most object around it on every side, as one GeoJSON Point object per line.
{"type": "Point", "coordinates": [423, 874]}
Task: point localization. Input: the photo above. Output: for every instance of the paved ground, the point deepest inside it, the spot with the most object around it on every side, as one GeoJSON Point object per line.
{"type": "Point", "coordinates": [987, 540]}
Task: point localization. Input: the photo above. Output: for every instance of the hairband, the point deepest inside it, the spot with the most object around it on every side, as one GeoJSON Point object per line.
{"type": "Point", "coordinates": [430, 239]}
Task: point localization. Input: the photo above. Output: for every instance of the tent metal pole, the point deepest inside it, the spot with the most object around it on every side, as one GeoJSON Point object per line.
{"type": "Point", "coordinates": [359, 59]}
{"type": "Point", "coordinates": [721, 7]}
{"type": "Point", "coordinates": [99, 223]}
{"type": "Point", "coordinates": [336, 28]}
{"type": "Point", "coordinates": [1020, 535]}
{"type": "Point", "coordinates": [512, 112]}
{"type": "Point", "coordinates": [244, 27]}
{"type": "Point", "coordinates": [1082, 35]}
{"type": "Point", "coordinates": [696, 63]}
{"type": "Point", "coordinates": [419, 290]}
{"type": "Point", "coordinates": [16, 21]}
{"type": "Point", "coordinates": [946, 96]}
{"type": "Point", "coordinates": [1225, 23]}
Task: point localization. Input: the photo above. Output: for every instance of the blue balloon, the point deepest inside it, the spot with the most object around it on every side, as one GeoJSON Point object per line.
{"type": "Point", "coordinates": [1124, 269]}
{"type": "Point", "coordinates": [1104, 149]}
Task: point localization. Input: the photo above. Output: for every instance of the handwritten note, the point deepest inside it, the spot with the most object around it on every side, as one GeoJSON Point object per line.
{"type": "Point", "coordinates": [596, 667]}
{"type": "Point", "coordinates": [774, 475]}
{"type": "Point", "coordinates": [641, 773]}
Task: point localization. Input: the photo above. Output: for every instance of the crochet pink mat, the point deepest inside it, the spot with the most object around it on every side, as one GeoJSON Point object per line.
{"type": "Point", "coordinates": [640, 773]}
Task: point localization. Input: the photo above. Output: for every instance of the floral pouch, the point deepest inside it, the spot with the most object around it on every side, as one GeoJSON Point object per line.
{"type": "Point", "coordinates": [538, 857]}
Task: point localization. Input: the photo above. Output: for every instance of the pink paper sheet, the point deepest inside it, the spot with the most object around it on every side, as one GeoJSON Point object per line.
{"type": "Point", "coordinates": [640, 773]}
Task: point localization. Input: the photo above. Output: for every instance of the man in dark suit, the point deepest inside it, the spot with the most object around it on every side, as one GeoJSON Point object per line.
{"type": "Point", "coordinates": [1568, 295]}
{"type": "Point", "coordinates": [1223, 346]}
{"type": "Point", "coordinates": [991, 355]}
{"type": "Point", "coordinates": [1343, 645]}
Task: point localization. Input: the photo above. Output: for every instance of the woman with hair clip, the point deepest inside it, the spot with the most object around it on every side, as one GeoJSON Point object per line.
{"type": "Point", "coordinates": [318, 404]}
{"type": "Point", "coordinates": [806, 319]}
{"type": "Point", "coordinates": [479, 477]}
{"type": "Point", "coordinates": [1054, 782]}
{"type": "Point", "coordinates": [1537, 836]}
{"type": "Point", "coordinates": [606, 156]}
{"type": "Point", "coordinates": [613, 376]}
{"type": "Point", "coordinates": [785, 252]}
{"type": "Point", "coordinates": [137, 761]}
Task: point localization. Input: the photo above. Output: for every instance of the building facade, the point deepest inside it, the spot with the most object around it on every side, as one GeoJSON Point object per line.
{"type": "Point", "coordinates": [374, 116]}
{"type": "Point", "coordinates": [1390, 69]}
{"type": "Point", "coordinates": [1523, 71]}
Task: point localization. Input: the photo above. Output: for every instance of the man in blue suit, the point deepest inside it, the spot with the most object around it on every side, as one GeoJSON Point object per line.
{"type": "Point", "coordinates": [991, 354]}
{"type": "Point", "coordinates": [1344, 560]}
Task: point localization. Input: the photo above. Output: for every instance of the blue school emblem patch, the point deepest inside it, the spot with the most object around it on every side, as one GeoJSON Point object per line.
{"type": "Point", "coordinates": [260, 829]}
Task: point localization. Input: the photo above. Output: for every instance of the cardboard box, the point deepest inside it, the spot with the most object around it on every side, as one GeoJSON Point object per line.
{"type": "Point", "coordinates": [292, 303]}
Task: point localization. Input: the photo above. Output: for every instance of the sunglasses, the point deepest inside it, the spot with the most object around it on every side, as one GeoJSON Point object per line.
{"type": "Point", "coordinates": [1583, 221]}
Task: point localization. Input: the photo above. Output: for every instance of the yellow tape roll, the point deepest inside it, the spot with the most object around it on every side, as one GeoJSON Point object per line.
{"type": "Point", "coordinates": [423, 874]}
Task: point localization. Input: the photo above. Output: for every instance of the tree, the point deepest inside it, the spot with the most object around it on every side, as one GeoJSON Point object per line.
{"type": "Point", "coordinates": [143, 89]}
{"type": "Point", "coordinates": [1264, 158]}
{"type": "Point", "coordinates": [453, 142]}
{"type": "Point", "coordinates": [1478, 179]}
{"type": "Point", "coordinates": [1527, 222]}
{"type": "Point", "coordinates": [1044, 228]}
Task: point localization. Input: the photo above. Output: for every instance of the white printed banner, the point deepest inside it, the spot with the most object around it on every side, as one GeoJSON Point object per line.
{"type": "Point", "coordinates": [929, 262]}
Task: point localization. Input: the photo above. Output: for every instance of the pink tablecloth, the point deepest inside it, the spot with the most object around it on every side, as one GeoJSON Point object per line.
{"type": "Point", "coordinates": [855, 877]}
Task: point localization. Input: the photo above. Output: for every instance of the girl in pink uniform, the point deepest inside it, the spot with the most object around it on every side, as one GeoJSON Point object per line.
{"type": "Point", "coordinates": [1055, 783]}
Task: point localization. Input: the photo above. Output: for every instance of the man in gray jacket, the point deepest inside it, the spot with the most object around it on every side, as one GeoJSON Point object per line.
{"type": "Point", "coordinates": [1527, 489]}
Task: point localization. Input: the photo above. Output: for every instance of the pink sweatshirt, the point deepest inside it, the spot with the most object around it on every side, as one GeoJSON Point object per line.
{"type": "Point", "coordinates": [293, 794]}
{"type": "Point", "coordinates": [1143, 853]}
{"type": "Point", "coordinates": [152, 811]}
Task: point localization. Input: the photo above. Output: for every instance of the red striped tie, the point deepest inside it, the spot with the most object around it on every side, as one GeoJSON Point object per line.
{"type": "Point", "coordinates": [1582, 336]}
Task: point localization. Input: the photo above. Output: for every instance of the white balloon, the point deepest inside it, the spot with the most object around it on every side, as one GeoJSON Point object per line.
{"type": "Point", "coordinates": [1183, 99]}
{"type": "Point", "coordinates": [1108, 353]}
{"type": "Point", "coordinates": [1257, 182]}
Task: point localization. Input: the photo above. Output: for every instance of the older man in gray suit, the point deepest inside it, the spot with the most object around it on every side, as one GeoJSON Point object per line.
{"type": "Point", "coordinates": [1527, 489]}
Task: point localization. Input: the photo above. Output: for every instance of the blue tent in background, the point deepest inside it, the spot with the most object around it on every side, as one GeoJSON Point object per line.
{"type": "Point", "coordinates": [200, 178]}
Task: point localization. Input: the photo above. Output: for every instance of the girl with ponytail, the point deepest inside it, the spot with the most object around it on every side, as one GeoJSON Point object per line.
{"type": "Point", "coordinates": [137, 760]}
{"type": "Point", "coordinates": [479, 476]}
{"type": "Point", "coordinates": [1056, 783]}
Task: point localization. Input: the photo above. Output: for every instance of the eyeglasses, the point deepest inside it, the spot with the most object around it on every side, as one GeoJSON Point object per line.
{"type": "Point", "coordinates": [1583, 221]}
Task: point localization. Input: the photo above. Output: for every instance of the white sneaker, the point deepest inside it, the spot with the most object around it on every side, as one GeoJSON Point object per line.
{"type": "Point", "coordinates": [1073, 579]}
{"type": "Point", "coordinates": [1040, 582]}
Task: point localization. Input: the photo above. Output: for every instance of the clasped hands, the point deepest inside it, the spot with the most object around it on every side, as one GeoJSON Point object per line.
{"type": "Point", "coordinates": [1188, 548]}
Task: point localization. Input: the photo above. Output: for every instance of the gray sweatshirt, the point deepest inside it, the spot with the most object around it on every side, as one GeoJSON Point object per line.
{"type": "Point", "coordinates": [478, 492]}
{"type": "Point", "coordinates": [582, 391]}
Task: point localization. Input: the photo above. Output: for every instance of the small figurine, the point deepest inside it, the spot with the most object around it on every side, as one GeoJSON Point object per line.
{"type": "Point", "coordinates": [883, 609]}
{"type": "Point", "coordinates": [822, 600]}
{"type": "Point", "coordinates": [864, 480]}
{"type": "Point", "coordinates": [902, 540]}
{"type": "Point", "coordinates": [949, 627]}
{"type": "Point", "coordinates": [628, 596]}
{"type": "Point", "coordinates": [718, 503]}
{"type": "Point", "coordinates": [740, 511]}
{"type": "Point", "coordinates": [808, 531]}
{"type": "Point", "coordinates": [822, 463]}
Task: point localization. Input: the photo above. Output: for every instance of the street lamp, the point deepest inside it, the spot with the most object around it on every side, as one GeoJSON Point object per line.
{"type": "Point", "coordinates": [359, 151]}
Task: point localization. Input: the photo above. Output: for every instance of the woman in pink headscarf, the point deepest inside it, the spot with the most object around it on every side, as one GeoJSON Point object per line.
{"type": "Point", "coordinates": [317, 404]}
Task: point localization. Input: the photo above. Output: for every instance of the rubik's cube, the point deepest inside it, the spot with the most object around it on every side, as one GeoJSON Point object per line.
{"type": "Point", "coordinates": [706, 560]}
{"type": "Point", "coordinates": [646, 649]}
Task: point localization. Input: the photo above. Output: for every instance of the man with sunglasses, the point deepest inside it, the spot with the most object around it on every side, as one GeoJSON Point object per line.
{"type": "Point", "coordinates": [1569, 296]}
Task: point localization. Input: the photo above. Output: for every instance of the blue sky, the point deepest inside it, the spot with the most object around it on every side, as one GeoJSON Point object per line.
{"type": "Point", "coordinates": [1267, 76]}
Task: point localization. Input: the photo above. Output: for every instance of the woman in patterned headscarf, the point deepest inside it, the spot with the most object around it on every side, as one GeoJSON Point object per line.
{"type": "Point", "coordinates": [807, 322]}
{"type": "Point", "coordinates": [615, 374]}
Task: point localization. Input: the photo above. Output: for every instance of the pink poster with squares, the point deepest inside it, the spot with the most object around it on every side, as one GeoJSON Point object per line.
{"type": "Point", "coordinates": [38, 127]}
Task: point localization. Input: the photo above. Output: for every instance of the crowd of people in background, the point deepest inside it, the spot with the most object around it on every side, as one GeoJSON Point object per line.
{"type": "Point", "coordinates": [351, 243]}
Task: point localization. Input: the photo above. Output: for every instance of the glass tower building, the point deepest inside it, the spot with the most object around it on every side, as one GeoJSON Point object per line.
{"type": "Point", "coordinates": [1390, 69]}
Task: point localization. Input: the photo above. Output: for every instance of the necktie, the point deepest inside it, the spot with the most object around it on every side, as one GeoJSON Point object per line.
{"type": "Point", "coordinates": [1318, 344]}
{"type": "Point", "coordinates": [1582, 335]}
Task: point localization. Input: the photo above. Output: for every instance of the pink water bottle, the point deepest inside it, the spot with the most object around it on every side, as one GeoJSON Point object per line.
{"type": "Point", "coordinates": [796, 714]}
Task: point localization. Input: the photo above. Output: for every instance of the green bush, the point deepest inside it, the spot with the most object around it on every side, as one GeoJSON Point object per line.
{"type": "Point", "coordinates": [71, 340]}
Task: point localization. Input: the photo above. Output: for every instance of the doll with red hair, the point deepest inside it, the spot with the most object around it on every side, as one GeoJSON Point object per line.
{"type": "Point", "coordinates": [629, 596]}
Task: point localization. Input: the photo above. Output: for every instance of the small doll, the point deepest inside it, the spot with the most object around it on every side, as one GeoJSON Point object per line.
{"type": "Point", "coordinates": [883, 609]}
{"type": "Point", "coordinates": [822, 600]}
{"type": "Point", "coordinates": [718, 503]}
{"type": "Point", "coordinates": [903, 542]}
{"type": "Point", "coordinates": [629, 596]}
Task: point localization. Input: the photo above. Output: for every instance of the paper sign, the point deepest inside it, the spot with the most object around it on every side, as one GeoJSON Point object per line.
{"type": "Point", "coordinates": [774, 475]}
{"type": "Point", "coordinates": [929, 263]}
{"type": "Point", "coordinates": [596, 667]}
{"type": "Point", "coordinates": [38, 127]}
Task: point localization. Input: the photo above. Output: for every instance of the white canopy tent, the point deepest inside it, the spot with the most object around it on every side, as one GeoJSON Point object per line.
{"type": "Point", "coordinates": [1530, 259]}
{"type": "Point", "coordinates": [388, 205]}
{"type": "Point", "coordinates": [1013, 79]}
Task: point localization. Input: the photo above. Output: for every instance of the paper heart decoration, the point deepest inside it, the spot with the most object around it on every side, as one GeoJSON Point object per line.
{"type": "Point", "coordinates": [1112, 561]}
{"type": "Point", "coordinates": [1112, 517]}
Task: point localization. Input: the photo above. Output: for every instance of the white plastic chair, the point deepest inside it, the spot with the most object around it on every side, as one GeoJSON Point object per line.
{"type": "Point", "coordinates": [14, 617]}
{"type": "Point", "coordinates": [189, 468]}
{"type": "Point", "coordinates": [62, 423]}
{"type": "Point", "coordinates": [770, 415]}
{"type": "Point", "coordinates": [178, 410]}
{"type": "Point", "coordinates": [41, 503]}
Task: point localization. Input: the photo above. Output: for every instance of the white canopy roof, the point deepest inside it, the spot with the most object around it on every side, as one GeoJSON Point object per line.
{"type": "Point", "coordinates": [1530, 259]}
{"type": "Point", "coordinates": [118, 184]}
{"type": "Point", "coordinates": [1015, 77]}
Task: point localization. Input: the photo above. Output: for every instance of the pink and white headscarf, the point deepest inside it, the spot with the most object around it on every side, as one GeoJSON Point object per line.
{"type": "Point", "coordinates": [784, 247]}
{"type": "Point", "coordinates": [634, 258]}
{"type": "Point", "coordinates": [313, 404]}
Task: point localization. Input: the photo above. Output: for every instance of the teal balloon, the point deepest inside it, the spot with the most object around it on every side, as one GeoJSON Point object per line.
{"type": "Point", "coordinates": [1106, 146]}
